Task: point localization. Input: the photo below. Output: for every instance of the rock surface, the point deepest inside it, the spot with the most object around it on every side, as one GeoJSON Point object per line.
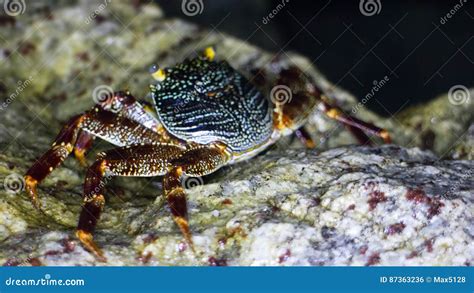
{"type": "Point", "coordinates": [345, 206]}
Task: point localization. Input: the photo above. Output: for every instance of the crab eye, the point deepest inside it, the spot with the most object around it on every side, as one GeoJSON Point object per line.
{"type": "Point", "coordinates": [153, 68]}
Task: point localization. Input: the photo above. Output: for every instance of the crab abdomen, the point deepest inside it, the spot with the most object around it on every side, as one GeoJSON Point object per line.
{"type": "Point", "coordinates": [205, 101]}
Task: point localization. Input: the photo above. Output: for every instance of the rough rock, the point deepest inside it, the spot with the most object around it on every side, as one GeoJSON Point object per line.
{"type": "Point", "coordinates": [344, 206]}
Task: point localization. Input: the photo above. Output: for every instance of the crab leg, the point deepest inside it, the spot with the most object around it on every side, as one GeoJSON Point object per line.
{"type": "Point", "coordinates": [140, 160]}
{"type": "Point", "coordinates": [305, 138]}
{"type": "Point", "coordinates": [83, 143]}
{"type": "Point", "coordinates": [176, 197]}
{"type": "Point", "coordinates": [76, 135]}
{"type": "Point", "coordinates": [61, 148]}
{"type": "Point", "coordinates": [194, 162]}
{"type": "Point", "coordinates": [354, 123]}
{"type": "Point", "coordinates": [302, 95]}
{"type": "Point", "coordinates": [361, 137]}
{"type": "Point", "coordinates": [144, 161]}
{"type": "Point", "coordinates": [126, 104]}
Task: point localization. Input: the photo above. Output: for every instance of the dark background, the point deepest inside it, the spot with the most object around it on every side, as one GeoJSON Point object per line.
{"type": "Point", "coordinates": [406, 41]}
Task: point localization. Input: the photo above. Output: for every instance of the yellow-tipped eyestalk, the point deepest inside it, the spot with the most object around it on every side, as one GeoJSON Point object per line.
{"type": "Point", "coordinates": [209, 53]}
{"type": "Point", "coordinates": [159, 75]}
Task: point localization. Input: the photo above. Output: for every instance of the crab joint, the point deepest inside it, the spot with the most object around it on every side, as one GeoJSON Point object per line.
{"type": "Point", "coordinates": [80, 156]}
{"type": "Point", "coordinates": [224, 149]}
{"type": "Point", "coordinates": [333, 113]}
{"type": "Point", "coordinates": [385, 135]}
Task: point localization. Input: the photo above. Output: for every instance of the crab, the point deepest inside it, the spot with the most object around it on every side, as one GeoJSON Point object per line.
{"type": "Point", "coordinates": [207, 115]}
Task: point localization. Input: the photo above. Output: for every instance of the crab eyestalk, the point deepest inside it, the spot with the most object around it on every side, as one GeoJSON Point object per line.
{"type": "Point", "coordinates": [157, 73]}
{"type": "Point", "coordinates": [209, 53]}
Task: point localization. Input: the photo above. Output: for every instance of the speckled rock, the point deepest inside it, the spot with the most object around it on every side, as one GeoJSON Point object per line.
{"type": "Point", "coordinates": [345, 206]}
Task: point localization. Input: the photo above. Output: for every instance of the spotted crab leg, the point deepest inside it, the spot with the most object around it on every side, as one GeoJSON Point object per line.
{"type": "Point", "coordinates": [138, 160]}
{"type": "Point", "coordinates": [169, 160]}
{"type": "Point", "coordinates": [77, 135]}
{"type": "Point", "coordinates": [122, 103]}
{"type": "Point", "coordinates": [83, 144]}
{"type": "Point", "coordinates": [194, 162]}
{"type": "Point", "coordinates": [63, 145]}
